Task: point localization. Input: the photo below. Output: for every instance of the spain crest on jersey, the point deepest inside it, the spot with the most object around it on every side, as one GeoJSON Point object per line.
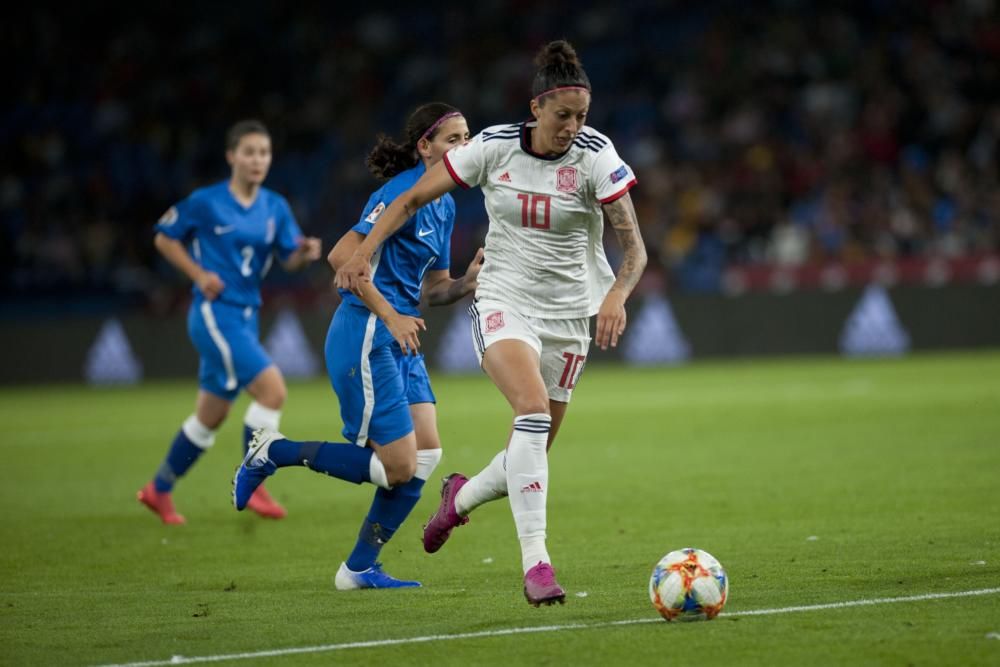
{"type": "Point", "coordinates": [566, 179]}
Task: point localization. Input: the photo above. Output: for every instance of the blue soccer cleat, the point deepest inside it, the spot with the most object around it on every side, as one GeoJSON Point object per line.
{"type": "Point", "coordinates": [373, 577]}
{"type": "Point", "coordinates": [256, 467]}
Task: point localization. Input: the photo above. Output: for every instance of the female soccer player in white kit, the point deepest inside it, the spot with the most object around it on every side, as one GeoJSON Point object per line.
{"type": "Point", "coordinates": [547, 184]}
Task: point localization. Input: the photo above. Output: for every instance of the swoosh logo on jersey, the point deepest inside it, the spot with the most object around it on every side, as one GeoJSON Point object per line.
{"type": "Point", "coordinates": [220, 230]}
{"type": "Point", "coordinates": [424, 232]}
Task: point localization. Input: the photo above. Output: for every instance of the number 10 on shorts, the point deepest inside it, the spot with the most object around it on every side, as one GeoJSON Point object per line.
{"type": "Point", "coordinates": [571, 372]}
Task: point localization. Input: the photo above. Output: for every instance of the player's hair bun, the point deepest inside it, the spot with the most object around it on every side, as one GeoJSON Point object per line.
{"type": "Point", "coordinates": [557, 53]}
{"type": "Point", "coordinates": [558, 66]}
{"type": "Point", "coordinates": [390, 157]}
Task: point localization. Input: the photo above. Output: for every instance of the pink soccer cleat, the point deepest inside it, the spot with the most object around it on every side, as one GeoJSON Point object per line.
{"type": "Point", "coordinates": [439, 526]}
{"type": "Point", "coordinates": [161, 504]}
{"type": "Point", "coordinates": [541, 587]}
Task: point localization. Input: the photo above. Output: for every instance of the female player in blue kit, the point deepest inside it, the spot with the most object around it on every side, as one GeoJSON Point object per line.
{"type": "Point", "coordinates": [223, 237]}
{"type": "Point", "coordinates": [372, 353]}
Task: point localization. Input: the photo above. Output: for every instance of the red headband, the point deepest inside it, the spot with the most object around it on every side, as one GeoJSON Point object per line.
{"type": "Point", "coordinates": [437, 123]}
{"type": "Point", "coordinates": [558, 90]}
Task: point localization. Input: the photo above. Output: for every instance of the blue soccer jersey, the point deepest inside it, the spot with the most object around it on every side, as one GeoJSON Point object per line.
{"type": "Point", "coordinates": [236, 242]}
{"type": "Point", "coordinates": [423, 243]}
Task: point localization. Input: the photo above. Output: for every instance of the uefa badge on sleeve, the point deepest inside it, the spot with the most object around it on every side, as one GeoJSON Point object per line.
{"type": "Point", "coordinates": [376, 212]}
{"type": "Point", "coordinates": [170, 217]}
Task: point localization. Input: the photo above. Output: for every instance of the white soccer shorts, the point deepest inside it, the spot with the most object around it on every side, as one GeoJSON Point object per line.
{"type": "Point", "coordinates": [561, 344]}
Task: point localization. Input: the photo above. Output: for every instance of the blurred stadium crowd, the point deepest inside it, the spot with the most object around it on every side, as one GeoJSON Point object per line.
{"type": "Point", "coordinates": [789, 133]}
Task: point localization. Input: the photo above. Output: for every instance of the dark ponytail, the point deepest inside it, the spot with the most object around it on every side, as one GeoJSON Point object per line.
{"type": "Point", "coordinates": [390, 157]}
{"type": "Point", "coordinates": [558, 67]}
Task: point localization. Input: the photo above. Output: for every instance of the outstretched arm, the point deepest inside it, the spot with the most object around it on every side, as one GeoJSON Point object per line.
{"type": "Point", "coordinates": [435, 182]}
{"type": "Point", "coordinates": [611, 317]}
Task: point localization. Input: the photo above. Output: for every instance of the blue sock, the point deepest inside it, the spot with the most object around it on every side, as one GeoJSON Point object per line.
{"type": "Point", "coordinates": [388, 511]}
{"type": "Point", "coordinates": [182, 455]}
{"type": "Point", "coordinates": [337, 459]}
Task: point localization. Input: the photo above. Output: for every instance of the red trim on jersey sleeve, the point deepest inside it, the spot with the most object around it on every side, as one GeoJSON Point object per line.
{"type": "Point", "coordinates": [454, 176]}
{"type": "Point", "coordinates": [619, 194]}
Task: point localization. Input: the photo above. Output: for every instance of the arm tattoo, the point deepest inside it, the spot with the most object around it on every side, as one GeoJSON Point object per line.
{"type": "Point", "coordinates": [621, 215]}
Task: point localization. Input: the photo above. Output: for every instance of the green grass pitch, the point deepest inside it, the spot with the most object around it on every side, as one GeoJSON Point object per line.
{"type": "Point", "coordinates": [814, 481]}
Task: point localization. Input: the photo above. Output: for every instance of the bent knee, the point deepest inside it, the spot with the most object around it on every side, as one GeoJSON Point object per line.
{"type": "Point", "coordinates": [400, 472]}
{"type": "Point", "coordinates": [269, 389]}
{"type": "Point", "coordinates": [535, 405]}
{"type": "Point", "coordinates": [275, 397]}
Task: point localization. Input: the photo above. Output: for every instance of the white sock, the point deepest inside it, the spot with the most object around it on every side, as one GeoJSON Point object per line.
{"type": "Point", "coordinates": [489, 484]}
{"type": "Point", "coordinates": [427, 461]}
{"type": "Point", "coordinates": [199, 434]}
{"type": "Point", "coordinates": [376, 472]}
{"type": "Point", "coordinates": [527, 485]}
{"type": "Point", "coordinates": [258, 416]}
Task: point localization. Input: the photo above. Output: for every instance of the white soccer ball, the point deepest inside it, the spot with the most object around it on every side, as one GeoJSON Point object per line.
{"type": "Point", "coordinates": [688, 585]}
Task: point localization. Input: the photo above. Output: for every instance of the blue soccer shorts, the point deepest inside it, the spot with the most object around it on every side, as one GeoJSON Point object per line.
{"type": "Point", "coordinates": [374, 381]}
{"type": "Point", "coordinates": [227, 337]}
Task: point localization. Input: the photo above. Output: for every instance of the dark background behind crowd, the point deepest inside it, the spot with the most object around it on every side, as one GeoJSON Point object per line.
{"type": "Point", "coordinates": [769, 133]}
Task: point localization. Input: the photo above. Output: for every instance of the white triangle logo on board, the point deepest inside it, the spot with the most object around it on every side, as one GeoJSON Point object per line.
{"type": "Point", "coordinates": [455, 353]}
{"type": "Point", "coordinates": [873, 329]}
{"type": "Point", "coordinates": [289, 348]}
{"type": "Point", "coordinates": [110, 359]}
{"type": "Point", "coordinates": [655, 337]}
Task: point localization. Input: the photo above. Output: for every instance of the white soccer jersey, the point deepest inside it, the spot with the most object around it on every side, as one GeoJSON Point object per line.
{"type": "Point", "coordinates": [544, 250]}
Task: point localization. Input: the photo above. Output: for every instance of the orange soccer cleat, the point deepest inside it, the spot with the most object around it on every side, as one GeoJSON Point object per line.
{"type": "Point", "coordinates": [160, 503]}
{"type": "Point", "coordinates": [263, 504]}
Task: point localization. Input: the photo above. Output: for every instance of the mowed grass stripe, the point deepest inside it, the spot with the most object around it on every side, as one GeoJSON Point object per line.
{"type": "Point", "coordinates": [377, 643]}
